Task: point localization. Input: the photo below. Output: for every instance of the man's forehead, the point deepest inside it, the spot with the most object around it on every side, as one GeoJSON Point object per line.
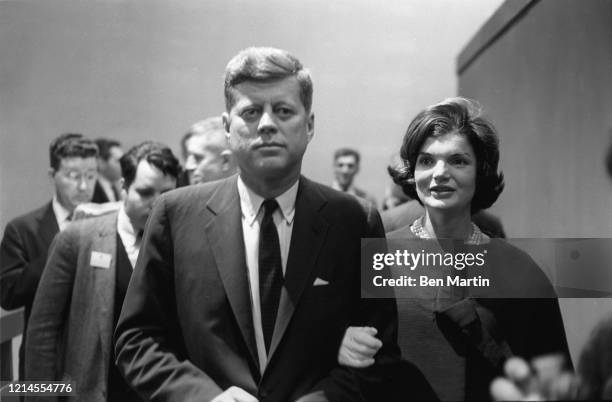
{"type": "Point", "coordinates": [77, 162]}
{"type": "Point", "coordinates": [148, 174]}
{"type": "Point", "coordinates": [276, 90]}
{"type": "Point", "coordinates": [146, 169]}
{"type": "Point", "coordinates": [116, 151]}
{"type": "Point", "coordinates": [346, 159]}
{"type": "Point", "coordinates": [199, 143]}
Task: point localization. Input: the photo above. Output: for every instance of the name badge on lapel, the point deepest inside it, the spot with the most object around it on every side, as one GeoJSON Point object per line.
{"type": "Point", "coordinates": [100, 260]}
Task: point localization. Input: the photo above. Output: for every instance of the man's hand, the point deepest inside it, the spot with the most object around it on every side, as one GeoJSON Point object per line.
{"type": "Point", "coordinates": [359, 346]}
{"type": "Point", "coordinates": [545, 379]}
{"type": "Point", "coordinates": [234, 394]}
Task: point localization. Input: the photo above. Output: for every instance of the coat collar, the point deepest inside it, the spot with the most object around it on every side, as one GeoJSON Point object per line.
{"type": "Point", "coordinates": [224, 232]}
{"type": "Point", "coordinates": [104, 240]}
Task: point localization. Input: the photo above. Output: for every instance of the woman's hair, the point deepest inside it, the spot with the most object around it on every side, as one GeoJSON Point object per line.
{"type": "Point", "coordinates": [461, 116]}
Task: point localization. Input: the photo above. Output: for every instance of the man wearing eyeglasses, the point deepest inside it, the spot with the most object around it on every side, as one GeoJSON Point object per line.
{"type": "Point", "coordinates": [24, 247]}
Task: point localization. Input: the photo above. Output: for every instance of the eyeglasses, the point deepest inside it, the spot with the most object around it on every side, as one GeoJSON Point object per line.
{"type": "Point", "coordinates": [76, 176]}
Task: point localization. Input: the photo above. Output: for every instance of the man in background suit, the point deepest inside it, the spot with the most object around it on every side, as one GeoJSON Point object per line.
{"type": "Point", "coordinates": [23, 251]}
{"type": "Point", "coordinates": [108, 187]}
{"type": "Point", "coordinates": [245, 286]}
{"type": "Point", "coordinates": [207, 153]}
{"type": "Point", "coordinates": [82, 288]}
{"type": "Point", "coordinates": [346, 167]}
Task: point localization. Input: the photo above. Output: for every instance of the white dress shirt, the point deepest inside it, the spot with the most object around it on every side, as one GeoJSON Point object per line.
{"type": "Point", "coordinates": [130, 239]}
{"type": "Point", "coordinates": [252, 215]}
{"type": "Point", "coordinates": [61, 214]}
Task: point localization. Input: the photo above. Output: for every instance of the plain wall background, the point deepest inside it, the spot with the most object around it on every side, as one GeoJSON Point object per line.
{"type": "Point", "coordinates": [148, 69]}
{"type": "Point", "coordinates": [546, 83]}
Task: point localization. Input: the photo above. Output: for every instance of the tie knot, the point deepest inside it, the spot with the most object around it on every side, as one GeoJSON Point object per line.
{"type": "Point", "coordinates": [270, 206]}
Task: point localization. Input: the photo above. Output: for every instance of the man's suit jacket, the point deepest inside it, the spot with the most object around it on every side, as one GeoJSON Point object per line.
{"type": "Point", "coordinates": [186, 332]}
{"type": "Point", "coordinates": [363, 194]}
{"type": "Point", "coordinates": [406, 213]}
{"type": "Point", "coordinates": [23, 253]}
{"type": "Point", "coordinates": [71, 326]}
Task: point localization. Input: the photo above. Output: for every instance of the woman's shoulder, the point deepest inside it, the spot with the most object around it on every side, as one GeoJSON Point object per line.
{"type": "Point", "coordinates": [509, 250]}
{"type": "Point", "coordinates": [519, 268]}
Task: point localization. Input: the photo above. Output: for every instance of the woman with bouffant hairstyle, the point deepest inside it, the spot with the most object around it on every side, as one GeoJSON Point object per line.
{"type": "Point", "coordinates": [459, 337]}
{"type": "Point", "coordinates": [463, 117]}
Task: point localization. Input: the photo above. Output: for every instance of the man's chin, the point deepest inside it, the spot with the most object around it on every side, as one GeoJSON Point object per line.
{"type": "Point", "coordinates": [272, 166]}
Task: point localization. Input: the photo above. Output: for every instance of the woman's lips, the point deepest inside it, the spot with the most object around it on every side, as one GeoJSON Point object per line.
{"type": "Point", "coordinates": [441, 191]}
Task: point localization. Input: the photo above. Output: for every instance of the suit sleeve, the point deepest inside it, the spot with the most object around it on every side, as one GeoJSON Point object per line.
{"type": "Point", "coordinates": [19, 271]}
{"type": "Point", "coordinates": [149, 348]}
{"type": "Point", "coordinates": [378, 313]}
{"type": "Point", "coordinates": [381, 314]}
{"type": "Point", "coordinates": [50, 309]}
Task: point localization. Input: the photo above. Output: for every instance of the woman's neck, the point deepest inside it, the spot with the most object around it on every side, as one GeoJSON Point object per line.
{"type": "Point", "coordinates": [448, 224]}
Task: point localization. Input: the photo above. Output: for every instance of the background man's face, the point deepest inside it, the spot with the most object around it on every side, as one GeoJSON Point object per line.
{"type": "Point", "coordinates": [269, 128]}
{"type": "Point", "coordinates": [148, 184]}
{"type": "Point", "coordinates": [74, 181]}
{"type": "Point", "coordinates": [111, 169]}
{"type": "Point", "coordinates": [345, 169]}
{"type": "Point", "coordinates": [203, 164]}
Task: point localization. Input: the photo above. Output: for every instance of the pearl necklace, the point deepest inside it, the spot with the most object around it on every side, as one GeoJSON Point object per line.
{"type": "Point", "coordinates": [476, 237]}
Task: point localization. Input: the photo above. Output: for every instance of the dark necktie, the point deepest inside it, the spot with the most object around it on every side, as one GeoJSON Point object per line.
{"type": "Point", "coordinates": [270, 271]}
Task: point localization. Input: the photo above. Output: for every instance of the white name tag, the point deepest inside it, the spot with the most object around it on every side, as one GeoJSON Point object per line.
{"type": "Point", "coordinates": [100, 260]}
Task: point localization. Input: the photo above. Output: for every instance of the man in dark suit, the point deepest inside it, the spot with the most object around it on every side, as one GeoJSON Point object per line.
{"type": "Point", "coordinates": [346, 167]}
{"type": "Point", "coordinates": [108, 188]}
{"type": "Point", "coordinates": [406, 213]}
{"type": "Point", "coordinates": [82, 288]}
{"type": "Point", "coordinates": [245, 286]}
{"type": "Point", "coordinates": [23, 251]}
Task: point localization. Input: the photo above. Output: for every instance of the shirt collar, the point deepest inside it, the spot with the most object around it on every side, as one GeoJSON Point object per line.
{"type": "Point", "coordinates": [125, 228]}
{"type": "Point", "coordinates": [61, 213]}
{"type": "Point", "coordinates": [250, 202]}
{"type": "Point", "coordinates": [350, 189]}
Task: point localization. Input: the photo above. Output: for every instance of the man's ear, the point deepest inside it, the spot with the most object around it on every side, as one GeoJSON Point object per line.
{"type": "Point", "coordinates": [310, 126]}
{"type": "Point", "coordinates": [226, 157]}
{"type": "Point", "coordinates": [51, 172]}
{"type": "Point", "coordinates": [226, 124]}
{"type": "Point", "coordinates": [122, 185]}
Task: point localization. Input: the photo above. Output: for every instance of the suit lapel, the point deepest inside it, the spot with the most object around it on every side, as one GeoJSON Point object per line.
{"type": "Point", "coordinates": [308, 235]}
{"type": "Point", "coordinates": [105, 241]}
{"type": "Point", "coordinates": [225, 235]}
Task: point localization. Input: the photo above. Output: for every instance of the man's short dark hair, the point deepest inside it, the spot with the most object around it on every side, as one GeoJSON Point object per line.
{"type": "Point", "coordinates": [105, 145]}
{"type": "Point", "coordinates": [347, 152]}
{"type": "Point", "coordinates": [266, 64]}
{"type": "Point", "coordinates": [71, 145]}
{"type": "Point", "coordinates": [155, 153]}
